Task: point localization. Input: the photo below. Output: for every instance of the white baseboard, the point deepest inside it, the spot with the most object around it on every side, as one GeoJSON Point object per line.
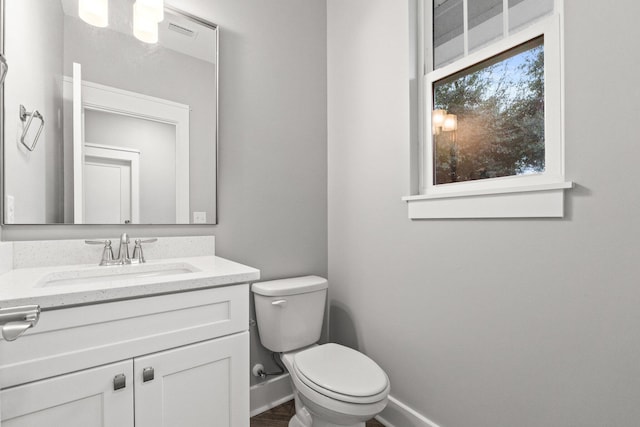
{"type": "Point", "coordinates": [397, 414]}
{"type": "Point", "coordinates": [270, 394]}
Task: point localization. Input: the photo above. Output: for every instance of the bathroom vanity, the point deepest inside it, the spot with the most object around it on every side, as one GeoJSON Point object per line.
{"type": "Point", "coordinates": [148, 345]}
{"type": "Point", "coordinates": [113, 140]}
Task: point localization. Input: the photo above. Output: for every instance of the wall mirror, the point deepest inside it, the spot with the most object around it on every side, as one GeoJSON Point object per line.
{"type": "Point", "coordinates": [104, 124]}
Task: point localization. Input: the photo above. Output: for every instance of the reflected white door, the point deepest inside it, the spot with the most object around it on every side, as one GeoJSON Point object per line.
{"type": "Point", "coordinates": [78, 145]}
{"type": "Point", "coordinates": [111, 185]}
{"type": "Point", "coordinates": [108, 192]}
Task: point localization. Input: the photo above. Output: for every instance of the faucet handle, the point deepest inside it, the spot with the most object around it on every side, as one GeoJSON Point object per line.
{"type": "Point", "coordinates": [155, 239]}
{"type": "Point", "coordinates": [97, 242]}
{"type": "Point", "coordinates": [107, 252]}
{"type": "Point", "coordinates": [138, 256]}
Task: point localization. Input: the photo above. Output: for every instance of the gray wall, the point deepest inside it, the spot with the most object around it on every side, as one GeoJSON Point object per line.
{"type": "Point", "coordinates": [489, 322]}
{"type": "Point", "coordinates": [34, 80]}
{"type": "Point", "coordinates": [273, 169]}
{"type": "Point", "coordinates": [273, 156]}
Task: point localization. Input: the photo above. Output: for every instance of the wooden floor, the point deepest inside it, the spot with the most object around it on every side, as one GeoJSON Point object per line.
{"type": "Point", "coordinates": [280, 416]}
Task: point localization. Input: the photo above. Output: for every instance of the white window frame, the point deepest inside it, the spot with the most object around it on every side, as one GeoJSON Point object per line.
{"type": "Point", "coordinates": [535, 195]}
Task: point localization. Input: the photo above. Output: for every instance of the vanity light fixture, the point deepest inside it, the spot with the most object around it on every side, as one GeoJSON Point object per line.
{"type": "Point", "coordinates": [145, 25]}
{"type": "Point", "coordinates": [450, 123]}
{"type": "Point", "coordinates": [155, 8]}
{"type": "Point", "coordinates": [442, 121]}
{"type": "Point", "coordinates": [437, 119]}
{"type": "Point", "coordinates": [94, 12]}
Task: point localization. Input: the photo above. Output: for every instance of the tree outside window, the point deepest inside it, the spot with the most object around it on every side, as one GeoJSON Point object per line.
{"type": "Point", "coordinates": [496, 118]}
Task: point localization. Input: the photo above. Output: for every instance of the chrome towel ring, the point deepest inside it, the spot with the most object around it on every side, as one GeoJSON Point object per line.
{"type": "Point", "coordinates": [23, 117]}
{"type": "Point", "coordinates": [4, 67]}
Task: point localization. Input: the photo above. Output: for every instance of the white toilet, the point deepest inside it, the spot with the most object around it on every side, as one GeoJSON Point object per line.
{"type": "Point", "coordinates": [333, 385]}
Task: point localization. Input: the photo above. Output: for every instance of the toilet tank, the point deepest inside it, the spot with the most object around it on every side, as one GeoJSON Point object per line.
{"type": "Point", "coordinates": [289, 312]}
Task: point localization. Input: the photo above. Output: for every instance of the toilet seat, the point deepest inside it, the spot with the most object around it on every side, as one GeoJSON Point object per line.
{"type": "Point", "coordinates": [342, 374]}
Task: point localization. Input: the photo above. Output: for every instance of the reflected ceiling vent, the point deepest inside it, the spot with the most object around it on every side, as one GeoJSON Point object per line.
{"type": "Point", "coordinates": [182, 30]}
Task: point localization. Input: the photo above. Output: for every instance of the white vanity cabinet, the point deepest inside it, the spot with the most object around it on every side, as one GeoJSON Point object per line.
{"type": "Point", "coordinates": [197, 385]}
{"type": "Point", "coordinates": [184, 358]}
{"type": "Point", "coordinates": [81, 399]}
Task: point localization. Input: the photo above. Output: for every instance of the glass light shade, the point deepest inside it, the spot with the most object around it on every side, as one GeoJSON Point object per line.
{"type": "Point", "coordinates": [94, 12]}
{"type": "Point", "coordinates": [145, 27]}
{"type": "Point", "coordinates": [450, 123]}
{"type": "Point", "coordinates": [437, 117]}
{"type": "Point", "coordinates": [155, 8]}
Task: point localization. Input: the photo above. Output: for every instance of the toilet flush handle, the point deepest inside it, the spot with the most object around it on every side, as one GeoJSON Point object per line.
{"type": "Point", "coordinates": [280, 303]}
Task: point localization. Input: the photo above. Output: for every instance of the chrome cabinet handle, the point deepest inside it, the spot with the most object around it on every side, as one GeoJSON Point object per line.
{"type": "Point", "coordinates": [148, 374]}
{"type": "Point", "coordinates": [16, 320]}
{"type": "Point", "coordinates": [119, 382]}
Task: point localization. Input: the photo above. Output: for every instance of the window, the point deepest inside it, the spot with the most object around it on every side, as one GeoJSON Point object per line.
{"type": "Point", "coordinates": [492, 110]}
{"type": "Point", "coordinates": [488, 121]}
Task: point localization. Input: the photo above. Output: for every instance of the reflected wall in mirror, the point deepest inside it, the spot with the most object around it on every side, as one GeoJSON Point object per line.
{"type": "Point", "coordinates": [130, 128]}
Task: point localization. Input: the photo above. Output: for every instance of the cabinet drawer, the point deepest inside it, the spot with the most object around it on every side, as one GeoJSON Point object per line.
{"type": "Point", "coordinates": [76, 338]}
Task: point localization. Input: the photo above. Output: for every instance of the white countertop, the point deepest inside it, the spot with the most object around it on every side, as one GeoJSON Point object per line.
{"type": "Point", "coordinates": [24, 286]}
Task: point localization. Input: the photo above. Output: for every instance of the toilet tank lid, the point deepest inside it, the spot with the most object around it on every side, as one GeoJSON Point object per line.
{"type": "Point", "coordinates": [292, 286]}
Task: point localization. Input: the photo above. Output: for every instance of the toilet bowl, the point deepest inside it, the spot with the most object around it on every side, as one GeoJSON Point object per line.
{"type": "Point", "coordinates": [336, 386]}
{"type": "Point", "coordinates": [333, 385]}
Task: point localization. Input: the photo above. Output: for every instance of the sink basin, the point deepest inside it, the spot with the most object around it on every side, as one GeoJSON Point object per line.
{"type": "Point", "coordinates": [114, 273]}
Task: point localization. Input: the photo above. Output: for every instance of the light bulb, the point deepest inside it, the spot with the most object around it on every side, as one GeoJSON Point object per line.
{"type": "Point", "coordinates": [450, 123]}
{"type": "Point", "coordinates": [437, 117]}
{"type": "Point", "coordinates": [155, 8]}
{"type": "Point", "coordinates": [94, 12]}
{"type": "Point", "coordinates": [145, 27]}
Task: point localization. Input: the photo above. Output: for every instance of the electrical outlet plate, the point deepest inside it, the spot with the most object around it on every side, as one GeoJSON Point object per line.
{"type": "Point", "coordinates": [199, 217]}
{"type": "Point", "coordinates": [9, 209]}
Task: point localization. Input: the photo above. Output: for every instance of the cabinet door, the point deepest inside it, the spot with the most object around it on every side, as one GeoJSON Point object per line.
{"type": "Point", "coordinates": [81, 399]}
{"type": "Point", "coordinates": [204, 384]}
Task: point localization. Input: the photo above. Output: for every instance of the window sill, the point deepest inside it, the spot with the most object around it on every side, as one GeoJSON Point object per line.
{"type": "Point", "coordinates": [535, 201]}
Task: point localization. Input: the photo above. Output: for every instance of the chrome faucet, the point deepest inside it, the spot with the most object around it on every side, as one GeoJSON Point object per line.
{"type": "Point", "coordinates": [138, 256]}
{"type": "Point", "coordinates": [123, 252]}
